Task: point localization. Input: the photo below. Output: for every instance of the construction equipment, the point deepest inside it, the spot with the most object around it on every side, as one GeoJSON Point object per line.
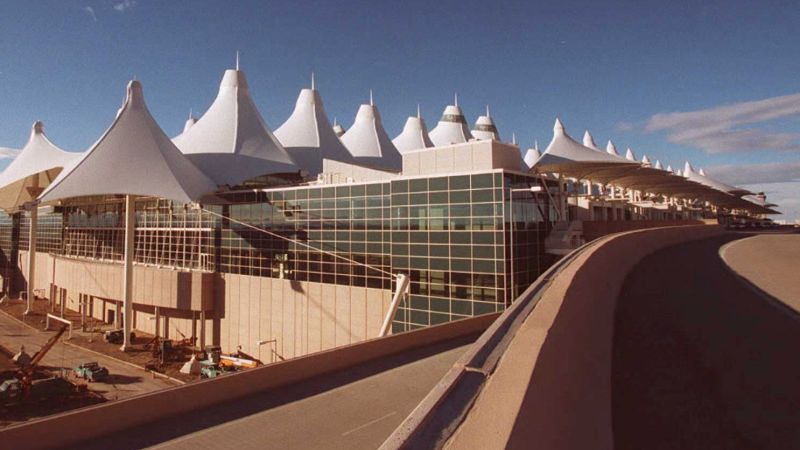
{"type": "Point", "coordinates": [23, 385]}
{"type": "Point", "coordinates": [116, 336]}
{"type": "Point", "coordinates": [91, 371]}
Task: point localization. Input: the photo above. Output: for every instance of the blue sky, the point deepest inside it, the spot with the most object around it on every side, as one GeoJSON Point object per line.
{"type": "Point", "coordinates": [618, 69]}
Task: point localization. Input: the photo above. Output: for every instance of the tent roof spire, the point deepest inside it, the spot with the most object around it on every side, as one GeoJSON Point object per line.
{"type": "Point", "coordinates": [313, 83]}
{"type": "Point", "coordinates": [237, 59]}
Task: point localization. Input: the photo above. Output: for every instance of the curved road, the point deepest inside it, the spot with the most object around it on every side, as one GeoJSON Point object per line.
{"type": "Point", "coordinates": [703, 360]}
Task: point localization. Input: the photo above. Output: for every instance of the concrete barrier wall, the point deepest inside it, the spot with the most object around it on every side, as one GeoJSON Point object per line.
{"type": "Point", "coordinates": [564, 350]}
{"type": "Point", "coordinates": [71, 428]}
{"type": "Point", "coordinates": [593, 229]}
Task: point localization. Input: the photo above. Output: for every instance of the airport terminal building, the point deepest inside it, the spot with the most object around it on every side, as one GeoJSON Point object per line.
{"type": "Point", "coordinates": [281, 244]}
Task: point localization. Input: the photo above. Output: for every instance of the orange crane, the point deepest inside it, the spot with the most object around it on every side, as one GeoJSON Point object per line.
{"type": "Point", "coordinates": [25, 374]}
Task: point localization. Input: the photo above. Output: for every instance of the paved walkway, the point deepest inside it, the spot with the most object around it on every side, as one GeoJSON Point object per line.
{"type": "Point", "coordinates": [125, 380]}
{"type": "Point", "coordinates": [700, 360]}
{"type": "Point", "coordinates": [355, 409]}
{"type": "Point", "coordinates": [769, 261]}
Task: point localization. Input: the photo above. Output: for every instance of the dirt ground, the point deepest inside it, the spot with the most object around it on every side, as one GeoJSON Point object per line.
{"type": "Point", "coordinates": [92, 339]}
{"type": "Point", "coordinates": [11, 414]}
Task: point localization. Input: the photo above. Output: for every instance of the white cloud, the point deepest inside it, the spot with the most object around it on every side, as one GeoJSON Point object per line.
{"type": "Point", "coordinates": [124, 5]}
{"type": "Point", "coordinates": [720, 129]}
{"type": "Point", "coordinates": [90, 11]}
{"type": "Point", "coordinates": [8, 153]}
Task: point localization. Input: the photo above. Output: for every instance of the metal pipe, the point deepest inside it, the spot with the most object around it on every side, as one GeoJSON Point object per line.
{"type": "Point", "coordinates": [401, 289]}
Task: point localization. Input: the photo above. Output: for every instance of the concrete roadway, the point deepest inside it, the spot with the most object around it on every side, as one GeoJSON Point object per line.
{"type": "Point", "coordinates": [125, 380]}
{"type": "Point", "coordinates": [357, 409]}
{"type": "Point", "coordinates": [701, 359]}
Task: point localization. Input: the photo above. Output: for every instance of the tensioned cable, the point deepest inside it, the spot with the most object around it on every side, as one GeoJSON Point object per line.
{"type": "Point", "coordinates": [335, 255]}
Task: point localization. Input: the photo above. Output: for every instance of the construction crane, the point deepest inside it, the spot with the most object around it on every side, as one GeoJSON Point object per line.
{"type": "Point", "coordinates": [24, 377]}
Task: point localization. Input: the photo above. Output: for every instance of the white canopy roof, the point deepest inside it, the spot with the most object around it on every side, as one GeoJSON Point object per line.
{"type": "Point", "coordinates": [532, 155]}
{"type": "Point", "coordinates": [231, 143]}
{"type": "Point", "coordinates": [452, 127]}
{"type": "Point", "coordinates": [629, 155]}
{"type": "Point", "coordinates": [588, 141]}
{"type": "Point", "coordinates": [689, 173]}
{"type": "Point", "coordinates": [35, 167]}
{"type": "Point", "coordinates": [611, 149]}
{"type": "Point", "coordinates": [566, 156]}
{"type": "Point", "coordinates": [338, 130]}
{"type": "Point", "coordinates": [414, 135]}
{"type": "Point", "coordinates": [485, 128]}
{"type": "Point", "coordinates": [308, 136]}
{"type": "Point", "coordinates": [368, 142]}
{"type": "Point", "coordinates": [189, 122]}
{"type": "Point", "coordinates": [133, 157]}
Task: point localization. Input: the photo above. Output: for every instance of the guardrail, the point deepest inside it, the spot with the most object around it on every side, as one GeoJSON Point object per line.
{"type": "Point", "coordinates": [429, 425]}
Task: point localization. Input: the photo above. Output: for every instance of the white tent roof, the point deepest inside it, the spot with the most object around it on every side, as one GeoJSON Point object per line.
{"type": "Point", "coordinates": [308, 136]}
{"type": "Point", "coordinates": [35, 167]}
{"type": "Point", "coordinates": [338, 130]}
{"type": "Point", "coordinates": [611, 149]}
{"type": "Point", "coordinates": [452, 127]}
{"type": "Point", "coordinates": [646, 160]}
{"type": "Point", "coordinates": [629, 155]}
{"type": "Point", "coordinates": [566, 156]}
{"type": "Point", "coordinates": [231, 143]}
{"type": "Point", "coordinates": [368, 142]}
{"type": "Point", "coordinates": [532, 155]}
{"type": "Point", "coordinates": [414, 135]}
{"type": "Point", "coordinates": [689, 173]}
{"type": "Point", "coordinates": [189, 122]}
{"type": "Point", "coordinates": [588, 141]}
{"type": "Point", "coordinates": [485, 129]}
{"type": "Point", "coordinates": [133, 157]}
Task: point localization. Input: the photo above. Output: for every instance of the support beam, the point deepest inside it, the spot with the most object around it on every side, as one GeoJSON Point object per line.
{"type": "Point", "coordinates": [202, 330]}
{"type": "Point", "coordinates": [34, 210]}
{"type": "Point", "coordinates": [128, 281]}
{"type": "Point", "coordinates": [401, 289]}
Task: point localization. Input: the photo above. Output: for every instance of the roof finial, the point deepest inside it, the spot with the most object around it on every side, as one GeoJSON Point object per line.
{"type": "Point", "coordinates": [488, 116]}
{"type": "Point", "coordinates": [455, 99]}
{"type": "Point", "coordinates": [536, 144]}
{"type": "Point", "coordinates": [419, 116]}
{"type": "Point", "coordinates": [334, 121]}
{"type": "Point", "coordinates": [313, 84]}
{"type": "Point", "coordinates": [190, 113]}
{"type": "Point", "coordinates": [514, 138]}
{"type": "Point", "coordinates": [371, 102]}
{"type": "Point", "coordinates": [237, 59]}
{"type": "Point", "coordinates": [558, 127]}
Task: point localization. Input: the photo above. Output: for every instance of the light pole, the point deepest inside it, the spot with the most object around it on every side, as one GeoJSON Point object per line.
{"type": "Point", "coordinates": [531, 189]}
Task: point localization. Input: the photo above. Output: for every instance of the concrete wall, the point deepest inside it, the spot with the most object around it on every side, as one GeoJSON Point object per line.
{"type": "Point", "coordinates": [70, 428]}
{"type": "Point", "coordinates": [593, 229]}
{"type": "Point", "coordinates": [467, 157]}
{"type": "Point", "coordinates": [241, 310]}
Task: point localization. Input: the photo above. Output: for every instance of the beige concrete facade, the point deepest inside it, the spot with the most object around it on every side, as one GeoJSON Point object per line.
{"type": "Point", "coordinates": [239, 310]}
{"type": "Point", "coordinates": [467, 157]}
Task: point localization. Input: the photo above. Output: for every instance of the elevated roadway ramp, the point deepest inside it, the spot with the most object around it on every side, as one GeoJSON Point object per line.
{"type": "Point", "coordinates": [645, 339]}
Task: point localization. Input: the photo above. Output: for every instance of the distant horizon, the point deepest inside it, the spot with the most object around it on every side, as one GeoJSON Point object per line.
{"type": "Point", "coordinates": [675, 83]}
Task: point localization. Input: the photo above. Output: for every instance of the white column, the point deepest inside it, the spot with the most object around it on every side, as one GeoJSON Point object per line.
{"type": "Point", "coordinates": [32, 257]}
{"type": "Point", "coordinates": [128, 282]}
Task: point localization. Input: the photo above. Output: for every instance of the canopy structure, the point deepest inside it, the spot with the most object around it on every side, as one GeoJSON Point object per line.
{"type": "Point", "coordinates": [133, 157]}
{"type": "Point", "coordinates": [189, 122]}
{"type": "Point", "coordinates": [414, 135]}
{"type": "Point", "coordinates": [338, 130]}
{"type": "Point", "coordinates": [35, 167]}
{"type": "Point", "coordinates": [689, 173]}
{"type": "Point", "coordinates": [532, 155]}
{"type": "Point", "coordinates": [452, 127]}
{"type": "Point", "coordinates": [485, 128]}
{"type": "Point", "coordinates": [368, 142]}
{"type": "Point", "coordinates": [588, 141]}
{"type": "Point", "coordinates": [308, 136]}
{"type": "Point", "coordinates": [231, 143]}
{"type": "Point", "coordinates": [569, 158]}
